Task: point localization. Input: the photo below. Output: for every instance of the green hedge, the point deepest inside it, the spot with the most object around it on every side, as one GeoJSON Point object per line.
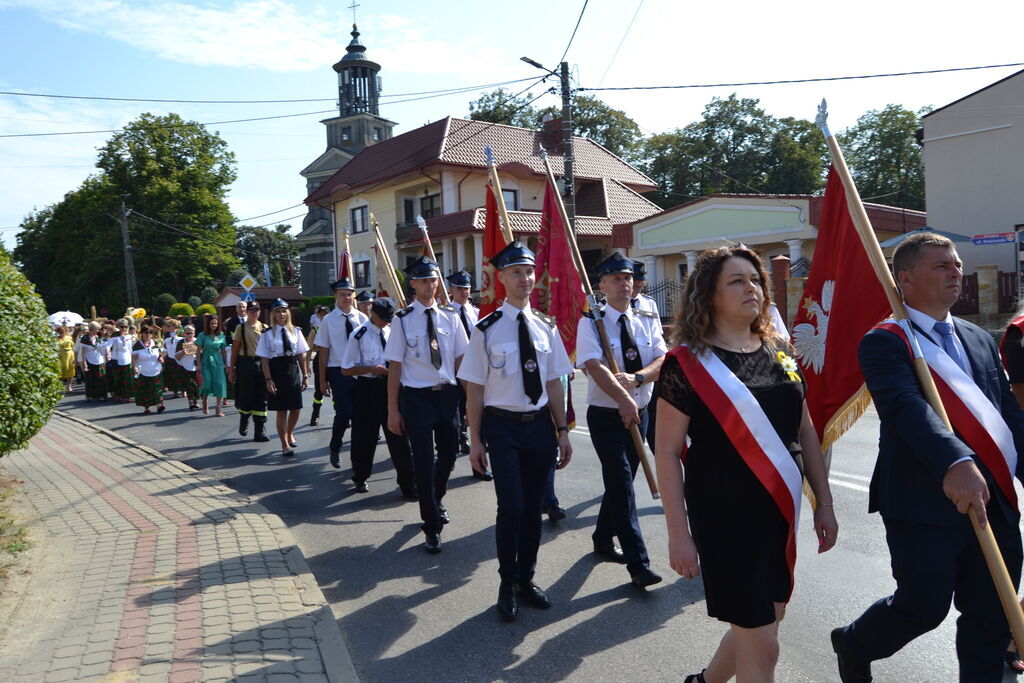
{"type": "Point", "coordinates": [30, 383]}
{"type": "Point", "coordinates": [180, 309]}
{"type": "Point", "coordinates": [205, 309]}
{"type": "Point", "coordinates": [163, 303]}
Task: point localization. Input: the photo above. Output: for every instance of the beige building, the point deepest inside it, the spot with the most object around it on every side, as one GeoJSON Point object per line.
{"type": "Point", "coordinates": [974, 168]}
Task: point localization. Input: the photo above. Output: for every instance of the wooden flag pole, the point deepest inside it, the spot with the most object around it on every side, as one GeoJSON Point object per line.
{"type": "Point", "coordinates": [492, 170]}
{"type": "Point", "coordinates": [382, 252]}
{"type": "Point", "coordinates": [987, 540]}
{"type": "Point", "coordinates": [613, 366]}
{"type": "Point", "coordinates": [430, 248]}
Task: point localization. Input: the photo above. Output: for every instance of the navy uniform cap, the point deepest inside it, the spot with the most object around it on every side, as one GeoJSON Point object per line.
{"type": "Point", "coordinates": [383, 307]}
{"type": "Point", "coordinates": [364, 296]}
{"type": "Point", "coordinates": [279, 303]}
{"type": "Point", "coordinates": [515, 253]}
{"type": "Point", "coordinates": [616, 263]}
{"type": "Point", "coordinates": [343, 283]}
{"type": "Point", "coordinates": [423, 268]}
{"type": "Point", "coordinates": [639, 270]}
{"type": "Point", "coordinates": [460, 279]}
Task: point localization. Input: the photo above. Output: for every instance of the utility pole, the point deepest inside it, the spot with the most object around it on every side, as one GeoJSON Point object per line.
{"type": "Point", "coordinates": [568, 193]}
{"type": "Point", "coordinates": [129, 263]}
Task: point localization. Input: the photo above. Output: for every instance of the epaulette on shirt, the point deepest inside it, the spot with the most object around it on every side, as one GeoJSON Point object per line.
{"type": "Point", "coordinates": [646, 314]}
{"type": "Point", "coordinates": [360, 332]}
{"type": "Point", "coordinates": [404, 312]}
{"type": "Point", "coordinates": [545, 318]}
{"type": "Point", "coordinates": [447, 307]}
{"type": "Point", "coordinates": [488, 320]}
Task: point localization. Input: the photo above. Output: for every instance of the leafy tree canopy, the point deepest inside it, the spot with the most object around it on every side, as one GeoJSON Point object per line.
{"type": "Point", "coordinates": [273, 246]}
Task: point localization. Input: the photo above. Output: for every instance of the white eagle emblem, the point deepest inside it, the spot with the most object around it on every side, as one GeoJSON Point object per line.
{"type": "Point", "coordinates": [809, 339]}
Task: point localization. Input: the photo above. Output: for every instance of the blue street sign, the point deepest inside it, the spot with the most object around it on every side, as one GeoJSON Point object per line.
{"type": "Point", "coordinates": [248, 297]}
{"type": "Point", "coordinates": [995, 238]}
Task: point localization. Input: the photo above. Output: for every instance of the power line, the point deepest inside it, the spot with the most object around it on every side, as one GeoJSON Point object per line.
{"type": "Point", "coordinates": [625, 34]}
{"type": "Point", "coordinates": [584, 9]}
{"type": "Point", "coordinates": [807, 80]}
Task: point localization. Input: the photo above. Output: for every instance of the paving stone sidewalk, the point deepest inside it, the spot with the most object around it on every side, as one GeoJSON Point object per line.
{"type": "Point", "coordinates": [145, 569]}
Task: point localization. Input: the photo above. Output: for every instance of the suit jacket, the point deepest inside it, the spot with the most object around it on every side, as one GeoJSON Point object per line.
{"type": "Point", "coordinates": [914, 448]}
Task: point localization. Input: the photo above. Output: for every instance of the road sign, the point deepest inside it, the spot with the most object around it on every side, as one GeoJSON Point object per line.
{"type": "Point", "coordinates": [248, 282]}
{"type": "Point", "coordinates": [995, 238]}
{"type": "Point", "coordinates": [248, 297]}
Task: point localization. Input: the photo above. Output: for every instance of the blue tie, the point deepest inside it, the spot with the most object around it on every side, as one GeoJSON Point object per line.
{"type": "Point", "coordinates": [945, 331]}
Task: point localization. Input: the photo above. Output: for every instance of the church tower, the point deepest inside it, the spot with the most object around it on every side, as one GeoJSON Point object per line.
{"type": "Point", "coordinates": [357, 126]}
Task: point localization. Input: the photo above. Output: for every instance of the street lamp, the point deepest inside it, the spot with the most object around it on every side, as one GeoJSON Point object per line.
{"type": "Point", "coordinates": [568, 195]}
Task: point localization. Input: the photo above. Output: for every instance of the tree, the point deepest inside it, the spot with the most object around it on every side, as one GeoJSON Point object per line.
{"type": "Point", "coordinates": [206, 309]}
{"type": "Point", "coordinates": [275, 247]}
{"type": "Point", "coordinates": [180, 309]}
{"type": "Point", "coordinates": [735, 147]}
{"type": "Point", "coordinates": [163, 304]}
{"type": "Point", "coordinates": [501, 106]}
{"type": "Point", "coordinates": [30, 383]}
{"type": "Point", "coordinates": [194, 301]}
{"type": "Point", "coordinates": [174, 176]}
{"type": "Point", "coordinates": [610, 128]}
{"type": "Point", "coordinates": [884, 157]}
{"type": "Point", "coordinates": [207, 294]}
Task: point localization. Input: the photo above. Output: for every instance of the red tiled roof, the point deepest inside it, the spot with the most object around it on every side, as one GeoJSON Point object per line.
{"type": "Point", "coordinates": [882, 216]}
{"type": "Point", "coordinates": [263, 293]}
{"type": "Point", "coordinates": [461, 142]}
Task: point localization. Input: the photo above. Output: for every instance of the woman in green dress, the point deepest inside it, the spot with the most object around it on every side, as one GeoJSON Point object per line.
{"type": "Point", "coordinates": [213, 344]}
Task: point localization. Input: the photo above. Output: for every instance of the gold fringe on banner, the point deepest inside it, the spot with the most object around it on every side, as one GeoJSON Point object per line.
{"type": "Point", "coordinates": [844, 418]}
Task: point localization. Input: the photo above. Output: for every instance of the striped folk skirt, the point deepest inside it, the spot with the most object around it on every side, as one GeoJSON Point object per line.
{"type": "Point", "coordinates": [172, 374]}
{"type": "Point", "coordinates": [121, 381]}
{"type": "Point", "coordinates": [149, 391]}
{"type": "Point", "coordinates": [190, 384]}
{"type": "Point", "coordinates": [96, 381]}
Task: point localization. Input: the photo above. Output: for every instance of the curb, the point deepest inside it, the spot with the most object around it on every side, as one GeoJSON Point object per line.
{"type": "Point", "coordinates": [333, 650]}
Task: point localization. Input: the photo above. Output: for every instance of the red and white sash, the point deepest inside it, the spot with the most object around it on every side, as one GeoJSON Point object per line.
{"type": "Point", "coordinates": [975, 419]}
{"type": "Point", "coordinates": [750, 432]}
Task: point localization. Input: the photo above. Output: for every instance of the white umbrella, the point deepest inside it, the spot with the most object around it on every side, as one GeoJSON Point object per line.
{"type": "Point", "coordinates": [65, 318]}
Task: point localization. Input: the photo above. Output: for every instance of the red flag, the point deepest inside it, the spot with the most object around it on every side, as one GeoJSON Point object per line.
{"type": "Point", "coordinates": [841, 301]}
{"type": "Point", "coordinates": [492, 292]}
{"type": "Point", "coordinates": [345, 262]}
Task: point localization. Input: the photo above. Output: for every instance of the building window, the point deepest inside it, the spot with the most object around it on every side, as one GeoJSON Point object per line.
{"type": "Point", "coordinates": [378, 134]}
{"type": "Point", "coordinates": [430, 206]}
{"type": "Point", "coordinates": [362, 273]}
{"type": "Point", "coordinates": [511, 198]}
{"type": "Point", "coordinates": [358, 219]}
{"type": "Point", "coordinates": [409, 211]}
{"type": "Point", "coordinates": [346, 133]}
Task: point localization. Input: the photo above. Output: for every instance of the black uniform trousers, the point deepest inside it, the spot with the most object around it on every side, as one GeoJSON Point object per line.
{"type": "Point", "coordinates": [431, 418]}
{"type": "Point", "coordinates": [619, 462]}
{"type": "Point", "coordinates": [369, 414]}
{"type": "Point", "coordinates": [522, 455]}
{"type": "Point", "coordinates": [251, 397]}
{"type": "Point", "coordinates": [341, 394]}
{"type": "Point", "coordinates": [934, 565]}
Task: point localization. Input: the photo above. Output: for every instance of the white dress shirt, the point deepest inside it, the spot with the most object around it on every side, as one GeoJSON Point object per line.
{"type": "Point", "coordinates": [96, 352]}
{"type": "Point", "coordinates": [646, 303]}
{"type": "Point", "coordinates": [409, 345]}
{"type": "Point", "coordinates": [331, 334]}
{"type": "Point", "coordinates": [472, 315]}
{"type": "Point", "coordinates": [927, 323]}
{"type": "Point", "coordinates": [365, 348]}
{"type": "Point", "coordinates": [492, 359]}
{"type": "Point", "coordinates": [272, 343]}
{"type": "Point", "coordinates": [148, 358]}
{"type": "Point", "coordinates": [121, 349]}
{"type": "Point", "coordinates": [186, 361]}
{"type": "Point", "coordinates": [646, 331]}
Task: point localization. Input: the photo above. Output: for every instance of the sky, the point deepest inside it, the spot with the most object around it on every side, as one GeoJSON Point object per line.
{"type": "Point", "coordinates": [284, 49]}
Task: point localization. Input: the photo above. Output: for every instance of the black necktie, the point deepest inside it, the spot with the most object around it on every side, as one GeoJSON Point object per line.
{"type": "Point", "coordinates": [462, 317]}
{"type": "Point", "coordinates": [383, 341]}
{"type": "Point", "coordinates": [348, 325]}
{"type": "Point", "coordinates": [528, 362]}
{"type": "Point", "coordinates": [435, 350]}
{"type": "Point", "coordinates": [630, 354]}
{"type": "Point", "coordinates": [286, 343]}
{"type": "Point", "coordinates": [634, 303]}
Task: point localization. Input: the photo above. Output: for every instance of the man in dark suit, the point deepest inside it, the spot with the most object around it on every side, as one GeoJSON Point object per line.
{"type": "Point", "coordinates": [927, 477]}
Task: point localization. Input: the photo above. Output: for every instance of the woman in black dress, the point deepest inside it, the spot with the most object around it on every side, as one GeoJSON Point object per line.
{"type": "Point", "coordinates": [722, 520]}
{"type": "Point", "coordinates": [282, 351]}
{"type": "Point", "coordinates": [1012, 350]}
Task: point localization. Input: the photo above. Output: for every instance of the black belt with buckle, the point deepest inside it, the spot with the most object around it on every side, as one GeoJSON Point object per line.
{"type": "Point", "coordinates": [612, 411]}
{"type": "Point", "coordinates": [530, 416]}
{"type": "Point", "coordinates": [436, 387]}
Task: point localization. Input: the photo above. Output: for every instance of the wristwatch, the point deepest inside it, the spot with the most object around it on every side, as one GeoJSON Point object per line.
{"type": "Point", "coordinates": [638, 378]}
{"type": "Point", "coordinates": [563, 428]}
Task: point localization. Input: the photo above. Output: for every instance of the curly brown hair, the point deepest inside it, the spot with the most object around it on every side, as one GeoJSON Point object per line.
{"type": "Point", "coordinates": [693, 323]}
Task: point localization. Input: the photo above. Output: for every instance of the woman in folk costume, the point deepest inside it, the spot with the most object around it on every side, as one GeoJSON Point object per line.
{"type": "Point", "coordinates": [120, 346]}
{"type": "Point", "coordinates": [66, 354]}
{"type": "Point", "coordinates": [147, 358]}
{"type": "Point", "coordinates": [732, 504]}
{"type": "Point", "coordinates": [185, 353]}
{"type": "Point", "coordinates": [93, 361]}
{"type": "Point", "coordinates": [172, 371]}
{"type": "Point", "coordinates": [213, 345]}
{"type": "Point", "coordinates": [282, 351]}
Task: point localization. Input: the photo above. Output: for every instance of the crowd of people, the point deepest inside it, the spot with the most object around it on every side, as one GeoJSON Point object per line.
{"type": "Point", "coordinates": [730, 398]}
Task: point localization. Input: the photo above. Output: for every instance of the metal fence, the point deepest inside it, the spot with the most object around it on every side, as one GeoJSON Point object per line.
{"type": "Point", "coordinates": [666, 294]}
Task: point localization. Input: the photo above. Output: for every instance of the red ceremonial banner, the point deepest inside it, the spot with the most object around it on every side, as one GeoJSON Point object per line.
{"type": "Point", "coordinates": [842, 300]}
{"type": "Point", "coordinates": [492, 292]}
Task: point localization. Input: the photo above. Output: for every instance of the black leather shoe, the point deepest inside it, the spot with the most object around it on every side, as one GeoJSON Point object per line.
{"type": "Point", "coordinates": [486, 476]}
{"type": "Point", "coordinates": [610, 552]}
{"type": "Point", "coordinates": [851, 668]}
{"type": "Point", "coordinates": [261, 437]}
{"type": "Point", "coordinates": [508, 605]}
{"type": "Point", "coordinates": [557, 512]}
{"type": "Point", "coordinates": [409, 492]}
{"type": "Point", "coordinates": [433, 543]}
{"type": "Point", "coordinates": [361, 486]}
{"type": "Point", "coordinates": [444, 515]}
{"type": "Point", "coordinates": [314, 422]}
{"type": "Point", "coordinates": [532, 594]}
{"type": "Point", "coordinates": [644, 578]}
{"type": "Point", "coordinates": [335, 459]}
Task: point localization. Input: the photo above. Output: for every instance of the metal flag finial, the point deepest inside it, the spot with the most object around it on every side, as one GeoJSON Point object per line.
{"type": "Point", "coordinates": [420, 222]}
{"type": "Point", "coordinates": [821, 120]}
{"type": "Point", "coordinates": [489, 153]}
{"type": "Point", "coordinates": [543, 152]}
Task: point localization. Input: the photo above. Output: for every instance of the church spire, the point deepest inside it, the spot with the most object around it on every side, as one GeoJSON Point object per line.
{"type": "Point", "coordinates": [358, 83]}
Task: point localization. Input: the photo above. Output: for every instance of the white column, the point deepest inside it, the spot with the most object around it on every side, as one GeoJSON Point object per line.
{"type": "Point", "coordinates": [460, 252]}
{"type": "Point", "coordinates": [478, 257]}
{"type": "Point", "coordinates": [796, 249]}
{"type": "Point", "coordinates": [449, 255]}
{"type": "Point", "coordinates": [691, 261]}
{"type": "Point", "coordinates": [651, 262]}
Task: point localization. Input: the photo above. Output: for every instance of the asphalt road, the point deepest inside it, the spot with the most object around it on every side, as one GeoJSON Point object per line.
{"type": "Point", "coordinates": [410, 616]}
